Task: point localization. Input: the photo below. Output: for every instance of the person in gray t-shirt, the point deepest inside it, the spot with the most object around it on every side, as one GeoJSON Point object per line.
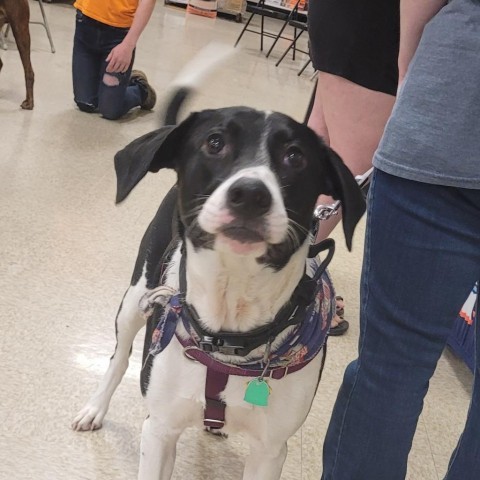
{"type": "Point", "coordinates": [433, 134]}
{"type": "Point", "coordinates": [422, 250]}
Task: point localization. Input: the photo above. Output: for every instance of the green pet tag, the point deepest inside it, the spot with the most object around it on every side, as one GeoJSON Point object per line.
{"type": "Point", "coordinates": [257, 392]}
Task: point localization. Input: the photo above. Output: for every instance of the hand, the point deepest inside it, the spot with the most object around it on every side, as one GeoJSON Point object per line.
{"type": "Point", "coordinates": [119, 58]}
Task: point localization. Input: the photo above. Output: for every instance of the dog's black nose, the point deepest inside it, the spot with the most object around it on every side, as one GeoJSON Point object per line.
{"type": "Point", "coordinates": [249, 197]}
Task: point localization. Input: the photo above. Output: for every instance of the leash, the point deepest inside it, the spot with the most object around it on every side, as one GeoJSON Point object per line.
{"type": "Point", "coordinates": [324, 212]}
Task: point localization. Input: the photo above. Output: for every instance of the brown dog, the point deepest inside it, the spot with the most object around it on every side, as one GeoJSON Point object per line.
{"type": "Point", "coordinates": [17, 14]}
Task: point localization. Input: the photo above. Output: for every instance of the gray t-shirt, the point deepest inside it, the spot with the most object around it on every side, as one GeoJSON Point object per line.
{"type": "Point", "coordinates": [433, 134]}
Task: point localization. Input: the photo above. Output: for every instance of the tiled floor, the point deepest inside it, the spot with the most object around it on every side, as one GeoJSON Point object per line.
{"type": "Point", "coordinates": [67, 254]}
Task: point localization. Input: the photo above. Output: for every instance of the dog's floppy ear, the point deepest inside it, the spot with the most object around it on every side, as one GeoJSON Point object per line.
{"type": "Point", "coordinates": [134, 161]}
{"type": "Point", "coordinates": [341, 185]}
{"type": "Point", "coordinates": [148, 153]}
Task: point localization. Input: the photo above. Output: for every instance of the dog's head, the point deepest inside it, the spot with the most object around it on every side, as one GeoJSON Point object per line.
{"type": "Point", "coordinates": [248, 180]}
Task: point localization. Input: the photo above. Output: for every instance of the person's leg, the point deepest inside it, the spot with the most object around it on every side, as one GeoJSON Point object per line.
{"type": "Point", "coordinates": [351, 119]}
{"type": "Point", "coordinates": [120, 92]}
{"type": "Point", "coordinates": [86, 65]}
{"type": "Point", "coordinates": [116, 95]}
{"type": "Point", "coordinates": [316, 120]}
{"type": "Point", "coordinates": [422, 258]}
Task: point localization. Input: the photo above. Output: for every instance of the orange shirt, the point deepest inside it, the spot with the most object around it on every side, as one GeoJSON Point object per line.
{"type": "Point", "coordinates": [117, 13]}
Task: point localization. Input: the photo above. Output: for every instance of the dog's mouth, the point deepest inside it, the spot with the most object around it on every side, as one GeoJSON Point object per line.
{"type": "Point", "coordinates": [243, 234]}
{"type": "Point", "coordinates": [243, 239]}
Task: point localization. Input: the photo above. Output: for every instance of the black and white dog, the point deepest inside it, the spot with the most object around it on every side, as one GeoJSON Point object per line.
{"type": "Point", "coordinates": [247, 186]}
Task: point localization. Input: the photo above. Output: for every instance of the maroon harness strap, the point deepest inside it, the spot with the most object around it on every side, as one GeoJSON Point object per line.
{"type": "Point", "coordinates": [194, 353]}
{"type": "Point", "coordinates": [217, 378]}
{"type": "Point", "coordinates": [214, 415]}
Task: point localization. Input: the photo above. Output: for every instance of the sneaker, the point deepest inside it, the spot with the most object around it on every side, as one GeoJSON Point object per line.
{"type": "Point", "coordinates": [150, 99]}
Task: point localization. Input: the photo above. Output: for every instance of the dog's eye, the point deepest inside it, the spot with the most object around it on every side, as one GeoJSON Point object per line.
{"type": "Point", "coordinates": [215, 143]}
{"type": "Point", "coordinates": [294, 158]}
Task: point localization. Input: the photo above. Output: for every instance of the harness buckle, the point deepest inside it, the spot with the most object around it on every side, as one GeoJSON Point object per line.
{"type": "Point", "coordinates": [229, 349]}
{"type": "Point", "coordinates": [206, 344]}
{"type": "Point", "coordinates": [213, 344]}
{"type": "Point", "coordinates": [212, 423]}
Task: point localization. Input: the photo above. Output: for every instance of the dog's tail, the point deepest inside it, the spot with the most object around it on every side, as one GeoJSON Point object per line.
{"type": "Point", "coordinates": [175, 104]}
{"type": "Point", "coordinates": [191, 76]}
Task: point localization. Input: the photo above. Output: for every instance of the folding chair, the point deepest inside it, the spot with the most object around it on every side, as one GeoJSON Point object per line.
{"type": "Point", "coordinates": [263, 11]}
{"type": "Point", "coordinates": [292, 16]}
{"type": "Point", "coordinates": [45, 25]}
{"type": "Point", "coordinates": [3, 35]}
{"type": "Point", "coordinates": [305, 65]}
{"type": "Point", "coordinates": [300, 26]}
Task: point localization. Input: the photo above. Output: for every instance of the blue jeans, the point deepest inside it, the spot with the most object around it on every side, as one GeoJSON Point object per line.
{"type": "Point", "coordinates": [92, 43]}
{"type": "Point", "coordinates": [422, 258]}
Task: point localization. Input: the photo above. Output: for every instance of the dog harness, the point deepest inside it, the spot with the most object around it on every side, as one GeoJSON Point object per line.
{"type": "Point", "coordinates": [307, 316]}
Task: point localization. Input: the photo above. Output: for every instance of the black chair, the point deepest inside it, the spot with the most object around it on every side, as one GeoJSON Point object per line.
{"type": "Point", "coordinates": [305, 65]}
{"type": "Point", "coordinates": [300, 27]}
{"type": "Point", "coordinates": [44, 23]}
{"type": "Point", "coordinates": [294, 15]}
{"type": "Point", "coordinates": [264, 11]}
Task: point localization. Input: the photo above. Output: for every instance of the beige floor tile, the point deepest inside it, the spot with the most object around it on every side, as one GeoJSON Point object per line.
{"type": "Point", "coordinates": [421, 467]}
{"type": "Point", "coordinates": [441, 464]}
{"type": "Point", "coordinates": [447, 404]}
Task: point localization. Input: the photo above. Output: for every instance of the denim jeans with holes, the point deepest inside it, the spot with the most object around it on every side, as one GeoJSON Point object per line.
{"type": "Point", "coordinates": [92, 43]}
{"type": "Point", "coordinates": [422, 258]}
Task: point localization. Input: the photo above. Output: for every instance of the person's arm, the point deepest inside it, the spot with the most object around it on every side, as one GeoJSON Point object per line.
{"type": "Point", "coordinates": [414, 15]}
{"type": "Point", "coordinates": [120, 57]}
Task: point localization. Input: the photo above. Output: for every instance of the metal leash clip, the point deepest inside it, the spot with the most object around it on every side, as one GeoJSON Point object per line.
{"type": "Point", "coordinates": [324, 212]}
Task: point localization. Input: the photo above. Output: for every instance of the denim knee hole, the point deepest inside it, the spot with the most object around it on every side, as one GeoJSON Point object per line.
{"type": "Point", "coordinates": [111, 80]}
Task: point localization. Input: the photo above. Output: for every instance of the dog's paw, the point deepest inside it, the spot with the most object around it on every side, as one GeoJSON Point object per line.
{"type": "Point", "coordinates": [158, 296]}
{"type": "Point", "coordinates": [89, 418]}
{"type": "Point", "coordinates": [27, 104]}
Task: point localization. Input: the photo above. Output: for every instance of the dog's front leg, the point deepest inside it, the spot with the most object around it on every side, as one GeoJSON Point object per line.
{"type": "Point", "coordinates": [157, 451]}
{"type": "Point", "coordinates": [129, 321]}
{"type": "Point", "coordinates": [265, 463]}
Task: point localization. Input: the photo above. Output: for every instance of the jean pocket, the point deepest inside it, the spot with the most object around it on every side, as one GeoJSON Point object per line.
{"type": "Point", "coordinates": [79, 17]}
